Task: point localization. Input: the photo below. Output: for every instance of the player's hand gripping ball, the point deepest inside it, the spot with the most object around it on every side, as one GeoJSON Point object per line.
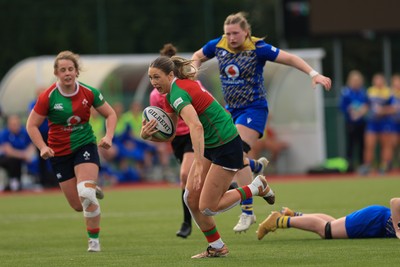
{"type": "Point", "coordinates": [165, 125]}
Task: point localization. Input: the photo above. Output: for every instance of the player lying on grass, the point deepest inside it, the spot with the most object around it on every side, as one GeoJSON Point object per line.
{"type": "Point", "coordinates": [370, 222]}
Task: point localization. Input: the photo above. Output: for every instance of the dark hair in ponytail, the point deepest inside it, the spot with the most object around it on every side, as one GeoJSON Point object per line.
{"type": "Point", "coordinates": [181, 67]}
{"type": "Point", "coordinates": [168, 50]}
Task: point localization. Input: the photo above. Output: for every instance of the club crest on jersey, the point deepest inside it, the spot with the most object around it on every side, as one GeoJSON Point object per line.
{"type": "Point", "coordinates": [73, 120]}
{"type": "Point", "coordinates": [85, 102]}
{"type": "Point", "coordinates": [232, 71]}
{"type": "Point", "coordinates": [223, 53]}
{"type": "Point", "coordinates": [86, 155]}
{"type": "Point", "coordinates": [58, 106]}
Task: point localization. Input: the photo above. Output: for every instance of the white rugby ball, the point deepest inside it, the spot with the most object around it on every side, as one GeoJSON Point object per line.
{"type": "Point", "coordinates": [165, 125]}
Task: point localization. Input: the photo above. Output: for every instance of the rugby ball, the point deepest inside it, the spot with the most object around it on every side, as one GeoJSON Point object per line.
{"type": "Point", "coordinates": [165, 125]}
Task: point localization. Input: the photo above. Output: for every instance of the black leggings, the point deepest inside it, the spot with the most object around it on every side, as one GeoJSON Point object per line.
{"type": "Point", "coordinates": [13, 166]}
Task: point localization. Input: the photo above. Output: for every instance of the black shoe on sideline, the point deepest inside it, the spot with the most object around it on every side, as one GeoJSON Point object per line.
{"type": "Point", "coordinates": [185, 230]}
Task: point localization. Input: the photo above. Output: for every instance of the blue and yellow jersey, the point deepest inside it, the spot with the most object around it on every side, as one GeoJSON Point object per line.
{"type": "Point", "coordinates": [396, 104]}
{"type": "Point", "coordinates": [379, 97]}
{"type": "Point", "coordinates": [241, 72]}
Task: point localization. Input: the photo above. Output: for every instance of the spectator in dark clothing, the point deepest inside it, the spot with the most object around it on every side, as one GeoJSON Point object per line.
{"type": "Point", "coordinates": [354, 106]}
{"type": "Point", "coordinates": [16, 149]}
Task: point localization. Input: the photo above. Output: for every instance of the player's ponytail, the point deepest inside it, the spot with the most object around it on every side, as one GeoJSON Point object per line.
{"type": "Point", "coordinates": [184, 69]}
{"type": "Point", "coordinates": [181, 67]}
{"type": "Point", "coordinates": [168, 50]}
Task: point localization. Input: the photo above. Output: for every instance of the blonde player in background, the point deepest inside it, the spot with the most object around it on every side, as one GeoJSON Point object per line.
{"type": "Point", "coordinates": [241, 59]}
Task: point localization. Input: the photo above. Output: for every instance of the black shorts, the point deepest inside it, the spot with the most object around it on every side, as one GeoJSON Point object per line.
{"type": "Point", "coordinates": [180, 145]}
{"type": "Point", "coordinates": [63, 166]}
{"type": "Point", "coordinates": [229, 155]}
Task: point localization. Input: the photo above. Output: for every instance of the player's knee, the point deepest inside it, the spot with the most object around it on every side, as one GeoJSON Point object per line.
{"type": "Point", "coordinates": [394, 201]}
{"type": "Point", "coordinates": [77, 207]}
{"type": "Point", "coordinates": [208, 212]}
{"type": "Point", "coordinates": [87, 195]}
{"type": "Point", "coordinates": [190, 200]}
{"type": "Point", "coordinates": [207, 209]}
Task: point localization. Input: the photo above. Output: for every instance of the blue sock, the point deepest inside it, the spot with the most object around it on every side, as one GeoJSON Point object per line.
{"type": "Point", "coordinates": [247, 206]}
{"type": "Point", "coordinates": [254, 165]}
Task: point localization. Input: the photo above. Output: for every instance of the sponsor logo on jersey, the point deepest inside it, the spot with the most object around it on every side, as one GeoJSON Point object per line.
{"type": "Point", "coordinates": [73, 120]}
{"type": "Point", "coordinates": [273, 48]}
{"type": "Point", "coordinates": [232, 71]}
{"type": "Point", "coordinates": [249, 120]}
{"type": "Point", "coordinates": [58, 106]}
{"type": "Point", "coordinates": [59, 175]}
{"type": "Point", "coordinates": [101, 97]}
{"type": "Point", "coordinates": [178, 102]}
{"type": "Point", "coordinates": [73, 128]}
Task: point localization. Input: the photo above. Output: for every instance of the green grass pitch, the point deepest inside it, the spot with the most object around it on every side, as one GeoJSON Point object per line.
{"type": "Point", "coordinates": [138, 229]}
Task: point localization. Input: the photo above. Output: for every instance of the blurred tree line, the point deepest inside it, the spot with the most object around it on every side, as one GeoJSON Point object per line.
{"type": "Point", "coordinates": [46, 27]}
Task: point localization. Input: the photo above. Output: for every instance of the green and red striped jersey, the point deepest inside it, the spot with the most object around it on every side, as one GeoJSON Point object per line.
{"type": "Point", "coordinates": [68, 116]}
{"type": "Point", "coordinates": [218, 125]}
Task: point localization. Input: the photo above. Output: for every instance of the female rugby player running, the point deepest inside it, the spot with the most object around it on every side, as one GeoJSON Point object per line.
{"type": "Point", "coordinates": [216, 143]}
{"type": "Point", "coordinates": [72, 148]}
